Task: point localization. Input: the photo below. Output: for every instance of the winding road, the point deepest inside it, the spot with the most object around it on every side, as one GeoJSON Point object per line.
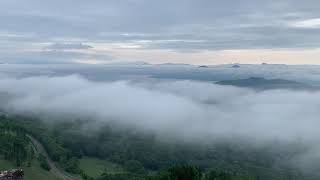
{"type": "Point", "coordinates": [54, 169]}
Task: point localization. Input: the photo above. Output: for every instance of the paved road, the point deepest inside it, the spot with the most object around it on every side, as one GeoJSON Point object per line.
{"type": "Point", "coordinates": [54, 169]}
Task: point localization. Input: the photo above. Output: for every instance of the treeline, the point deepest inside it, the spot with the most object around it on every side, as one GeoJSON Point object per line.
{"type": "Point", "coordinates": [139, 154]}
{"type": "Point", "coordinates": [143, 152]}
{"type": "Point", "coordinates": [181, 172]}
{"type": "Point", "coordinates": [52, 144]}
{"type": "Point", "coordinates": [187, 172]}
{"type": "Point", "coordinates": [14, 145]}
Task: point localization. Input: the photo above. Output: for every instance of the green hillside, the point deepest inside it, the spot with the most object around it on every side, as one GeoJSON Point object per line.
{"type": "Point", "coordinates": [35, 172]}
{"type": "Point", "coordinates": [115, 152]}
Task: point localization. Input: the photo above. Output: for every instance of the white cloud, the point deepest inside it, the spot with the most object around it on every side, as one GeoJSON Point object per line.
{"type": "Point", "coordinates": [309, 23]}
{"type": "Point", "coordinates": [181, 109]}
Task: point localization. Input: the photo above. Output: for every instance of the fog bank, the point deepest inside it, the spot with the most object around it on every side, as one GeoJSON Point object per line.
{"type": "Point", "coordinates": [185, 109]}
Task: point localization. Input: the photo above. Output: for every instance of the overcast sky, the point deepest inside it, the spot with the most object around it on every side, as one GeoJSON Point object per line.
{"type": "Point", "coordinates": [175, 31]}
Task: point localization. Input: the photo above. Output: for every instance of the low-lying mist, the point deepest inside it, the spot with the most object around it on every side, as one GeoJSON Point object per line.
{"type": "Point", "coordinates": [185, 109]}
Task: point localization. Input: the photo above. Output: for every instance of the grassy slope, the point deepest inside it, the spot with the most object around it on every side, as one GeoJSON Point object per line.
{"type": "Point", "coordinates": [95, 167]}
{"type": "Point", "coordinates": [35, 172]}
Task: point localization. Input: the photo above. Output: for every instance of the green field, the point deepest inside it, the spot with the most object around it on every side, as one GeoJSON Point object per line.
{"type": "Point", "coordinates": [95, 167]}
{"type": "Point", "coordinates": [35, 172]}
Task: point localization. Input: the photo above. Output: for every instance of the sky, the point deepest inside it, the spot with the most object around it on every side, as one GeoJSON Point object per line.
{"type": "Point", "coordinates": [166, 31]}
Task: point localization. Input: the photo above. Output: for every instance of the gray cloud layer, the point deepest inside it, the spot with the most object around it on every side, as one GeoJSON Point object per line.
{"type": "Point", "coordinates": [176, 25]}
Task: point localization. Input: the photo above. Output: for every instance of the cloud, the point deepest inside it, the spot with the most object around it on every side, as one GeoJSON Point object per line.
{"type": "Point", "coordinates": [183, 109]}
{"type": "Point", "coordinates": [54, 57]}
{"type": "Point", "coordinates": [175, 25]}
{"type": "Point", "coordinates": [309, 23]}
{"type": "Point", "coordinates": [68, 46]}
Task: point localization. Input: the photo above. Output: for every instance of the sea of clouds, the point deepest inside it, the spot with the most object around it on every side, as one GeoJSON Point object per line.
{"type": "Point", "coordinates": [182, 108]}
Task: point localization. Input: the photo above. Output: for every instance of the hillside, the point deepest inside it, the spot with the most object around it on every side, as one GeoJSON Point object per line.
{"type": "Point", "coordinates": [264, 84]}
{"type": "Point", "coordinates": [34, 172]}
{"type": "Point", "coordinates": [121, 153]}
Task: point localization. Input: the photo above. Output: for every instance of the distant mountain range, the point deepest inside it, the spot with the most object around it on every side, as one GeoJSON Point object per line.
{"type": "Point", "coordinates": [265, 84]}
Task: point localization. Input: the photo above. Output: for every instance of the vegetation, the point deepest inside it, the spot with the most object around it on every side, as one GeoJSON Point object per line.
{"type": "Point", "coordinates": [182, 172]}
{"type": "Point", "coordinates": [143, 156]}
{"type": "Point", "coordinates": [14, 145]}
{"type": "Point", "coordinates": [43, 162]}
{"type": "Point", "coordinates": [16, 151]}
{"type": "Point", "coordinates": [94, 167]}
{"type": "Point", "coordinates": [34, 172]}
{"type": "Point", "coordinates": [53, 144]}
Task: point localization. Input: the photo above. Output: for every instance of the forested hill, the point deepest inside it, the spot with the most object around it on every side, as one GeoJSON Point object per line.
{"type": "Point", "coordinates": [265, 84]}
{"type": "Point", "coordinates": [143, 157]}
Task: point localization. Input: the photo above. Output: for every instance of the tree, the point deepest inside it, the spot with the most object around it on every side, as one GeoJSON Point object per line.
{"type": "Point", "coordinates": [43, 162]}
{"type": "Point", "coordinates": [134, 166]}
{"type": "Point", "coordinates": [185, 172]}
{"type": "Point", "coordinates": [30, 155]}
{"type": "Point", "coordinates": [214, 175]}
